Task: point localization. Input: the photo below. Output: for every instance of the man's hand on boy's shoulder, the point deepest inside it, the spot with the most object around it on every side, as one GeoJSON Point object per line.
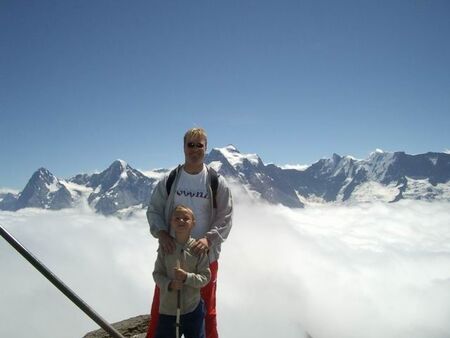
{"type": "Point", "coordinates": [166, 242]}
{"type": "Point", "coordinates": [200, 246]}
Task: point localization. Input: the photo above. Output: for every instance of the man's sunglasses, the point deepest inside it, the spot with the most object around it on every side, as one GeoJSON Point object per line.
{"type": "Point", "coordinates": [195, 145]}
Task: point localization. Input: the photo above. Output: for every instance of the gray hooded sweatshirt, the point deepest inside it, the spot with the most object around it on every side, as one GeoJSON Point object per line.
{"type": "Point", "coordinates": [161, 208]}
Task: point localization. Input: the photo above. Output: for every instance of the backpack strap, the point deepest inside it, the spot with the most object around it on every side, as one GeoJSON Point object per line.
{"type": "Point", "coordinates": [171, 179]}
{"type": "Point", "coordinates": [214, 184]}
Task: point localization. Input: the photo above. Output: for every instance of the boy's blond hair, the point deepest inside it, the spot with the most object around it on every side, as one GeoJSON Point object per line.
{"type": "Point", "coordinates": [181, 207]}
{"type": "Point", "coordinates": [196, 132]}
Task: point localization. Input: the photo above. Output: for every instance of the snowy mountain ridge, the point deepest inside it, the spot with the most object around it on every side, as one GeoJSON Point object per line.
{"type": "Point", "coordinates": [120, 189]}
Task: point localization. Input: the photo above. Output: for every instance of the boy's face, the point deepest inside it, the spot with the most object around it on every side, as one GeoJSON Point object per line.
{"type": "Point", "coordinates": [182, 222]}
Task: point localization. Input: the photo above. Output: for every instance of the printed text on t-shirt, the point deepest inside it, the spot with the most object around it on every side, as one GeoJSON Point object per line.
{"type": "Point", "coordinates": [198, 194]}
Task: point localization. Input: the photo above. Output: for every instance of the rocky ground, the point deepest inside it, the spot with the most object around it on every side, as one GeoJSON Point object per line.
{"type": "Point", "coordinates": [135, 327]}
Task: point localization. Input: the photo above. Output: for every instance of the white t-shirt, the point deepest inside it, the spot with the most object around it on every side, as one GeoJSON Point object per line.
{"type": "Point", "coordinates": [192, 191]}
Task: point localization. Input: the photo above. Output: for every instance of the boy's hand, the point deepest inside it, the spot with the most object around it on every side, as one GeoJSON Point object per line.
{"type": "Point", "coordinates": [180, 274]}
{"type": "Point", "coordinates": [175, 285]}
{"type": "Point", "coordinates": [201, 246]}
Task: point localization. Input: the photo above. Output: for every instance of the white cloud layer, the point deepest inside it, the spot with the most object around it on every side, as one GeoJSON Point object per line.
{"type": "Point", "coordinates": [8, 190]}
{"type": "Point", "coordinates": [373, 270]}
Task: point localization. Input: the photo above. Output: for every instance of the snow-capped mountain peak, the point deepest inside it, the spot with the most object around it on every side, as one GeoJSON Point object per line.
{"type": "Point", "coordinates": [378, 153]}
{"type": "Point", "coordinates": [120, 163]}
{"type": "Point", "coordinates": [43, 190]}
{"type": "Point", "coordinates": [378, 163]}
{"type": "Point", "coordinates": [230, 147]}
{"type": "Point", "coordinates": [118, 187]}
{"type": "Point", "coordinates": [236, 158]}
{"type": "Point", "coordinates": [44, 174]}
{"type": "Point", "coordinates": [46, 179]}
{"type": "Point", "coordinates": [119, 170]}
{"type": "Point", "coordinates": [118, 166]}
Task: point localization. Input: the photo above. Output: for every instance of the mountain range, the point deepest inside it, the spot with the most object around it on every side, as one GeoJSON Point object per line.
{"type": "Point", "coordinates": [121, 189]}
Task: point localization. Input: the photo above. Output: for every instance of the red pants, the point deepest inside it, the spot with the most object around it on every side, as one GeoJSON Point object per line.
{"type": "Point", "coordinates": [208, 293]}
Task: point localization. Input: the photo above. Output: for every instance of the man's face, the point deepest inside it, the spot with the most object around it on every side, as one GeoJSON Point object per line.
{"type": "Point", "coordinates": [194, 150]}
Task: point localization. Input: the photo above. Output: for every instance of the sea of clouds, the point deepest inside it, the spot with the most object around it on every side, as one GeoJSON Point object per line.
{"type": "Point", "coordinates": [335, 271]}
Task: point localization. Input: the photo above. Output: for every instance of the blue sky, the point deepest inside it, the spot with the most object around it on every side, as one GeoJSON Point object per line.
{"type": "Point", "coordinates": [83, 83]}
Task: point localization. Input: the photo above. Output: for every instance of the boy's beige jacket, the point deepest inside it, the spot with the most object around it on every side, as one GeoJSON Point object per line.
{"type": "Point", "coordinates": [199, 275]}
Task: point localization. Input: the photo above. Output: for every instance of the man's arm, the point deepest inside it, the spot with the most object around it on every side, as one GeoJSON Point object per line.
{"type": "Point", "coordinates": [221, 226]}
{"type": "Point", "coordinates": [155, 210]}
{"type": "Point", "coordinates": [156, 217]}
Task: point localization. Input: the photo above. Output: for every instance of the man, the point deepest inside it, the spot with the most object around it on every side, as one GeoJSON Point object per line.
{"type": "Point", "coordinates": [191, 185]}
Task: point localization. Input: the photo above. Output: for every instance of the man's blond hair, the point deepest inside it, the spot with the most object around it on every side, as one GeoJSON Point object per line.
{"type": "Point", "coordinates": [183, 208]}
{"type": "Point", "coordinates": [196, 132]}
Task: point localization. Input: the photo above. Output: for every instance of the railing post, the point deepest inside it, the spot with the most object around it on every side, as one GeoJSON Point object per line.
{"type": "Point", "coordinates": [59, 284]}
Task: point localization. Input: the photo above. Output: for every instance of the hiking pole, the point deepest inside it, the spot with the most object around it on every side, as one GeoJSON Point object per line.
{"type": "Point", "coordinates": [177, 324]}
{"type": "Point", "coordinates": [59, 284]}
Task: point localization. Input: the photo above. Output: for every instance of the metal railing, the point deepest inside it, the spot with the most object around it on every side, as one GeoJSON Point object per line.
{"type": "Point", "coordinates": [59, 284]}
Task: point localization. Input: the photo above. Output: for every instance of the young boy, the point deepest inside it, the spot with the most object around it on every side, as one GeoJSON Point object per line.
{"type": "Point", "coordinates": [185, 272]}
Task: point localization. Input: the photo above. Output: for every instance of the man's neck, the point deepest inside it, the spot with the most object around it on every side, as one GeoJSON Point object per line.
{"type": "Point", "coordinates": [193, 169]}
